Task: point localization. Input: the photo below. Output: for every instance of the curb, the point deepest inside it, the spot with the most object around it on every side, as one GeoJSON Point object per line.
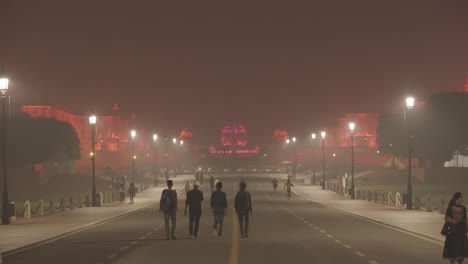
{"type": "Point", "coordinates": [430, 238]}
{"type": "Point", "coordinates": [76, 230]}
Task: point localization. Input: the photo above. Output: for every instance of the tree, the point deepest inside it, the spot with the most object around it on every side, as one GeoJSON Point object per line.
{"type": "Point", "coordinates": [35, 140]}
{"type": "Point", "coordinates": [439, 129]}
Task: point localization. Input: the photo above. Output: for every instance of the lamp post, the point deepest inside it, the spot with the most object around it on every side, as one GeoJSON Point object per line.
{"type": "Point", "coordinates": [182, 155]}
{"type": "Point", "coordinates": [174, 140]}
{"type": "Point", "coordinates": [133, 134]}
{"type": "Point", "coordinates": [314, 136]}
{"type": "Point", "coordinates": [92, 122]}
{"type": "Point", "coordinates": [294, 158]}
{"type": "Point", "coordinates": [351, 134]}
{"type": "Point", "coordinates": [155, 139]}
{"type": "Point", "coordinates": [165, 158]}
{"type": "Point", "coordinates": [5, 200]}
{"type": "Point", "coordinates": [409, 191]}
{"type": "Point", "coordinates": [287, 154]}
{"type": "Point", "coordinates": [323, 134]}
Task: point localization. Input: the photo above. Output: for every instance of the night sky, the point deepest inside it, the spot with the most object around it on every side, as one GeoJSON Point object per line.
{"type": "Point", "coordinates": [199, 64]}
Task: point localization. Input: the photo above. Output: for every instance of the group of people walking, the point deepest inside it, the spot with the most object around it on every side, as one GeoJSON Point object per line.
{"type": "Point", "coordinates": [193, 205]}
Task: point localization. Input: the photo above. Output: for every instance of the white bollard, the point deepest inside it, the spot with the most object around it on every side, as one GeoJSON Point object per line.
{"type": "Point", "coordinates": [442, 207]}
{"type": "Point", "coordinates": [27, 210]}
{"type": "Point", "coordinates": [40, 211]}
{"type": "Point", "coordinates": [397, 199]}
{"type": "Point", "coordinates": [428, 203]}
{"type": "Point", "coordinates": [390, 198]}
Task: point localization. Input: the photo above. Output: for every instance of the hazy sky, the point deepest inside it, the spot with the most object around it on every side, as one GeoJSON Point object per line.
{"type": "Point", "coordinates": [199, 64]}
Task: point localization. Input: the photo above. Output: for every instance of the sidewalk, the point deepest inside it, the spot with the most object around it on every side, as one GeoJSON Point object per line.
{"type": "Point", "coordinates": [418, 222]}
{"type": "Point", "coordinates": [42, 228]}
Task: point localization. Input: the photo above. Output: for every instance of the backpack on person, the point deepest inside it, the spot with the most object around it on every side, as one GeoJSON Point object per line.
{"type": "Point", "coordinates": [244, 201]}
{"type": "Point", "coordinates": [165, 204]}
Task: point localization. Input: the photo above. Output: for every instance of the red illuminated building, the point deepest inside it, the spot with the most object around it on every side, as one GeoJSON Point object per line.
{"type": "Point", "coordinates": [112, 134]}
{"type": "Point", "coordinates": [234, 141]}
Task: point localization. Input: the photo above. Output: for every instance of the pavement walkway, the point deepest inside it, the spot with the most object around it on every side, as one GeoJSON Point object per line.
{"type": "Point", "coordinates": [39, 229]}
{"type": "Point", "coordinates": [416, 222]}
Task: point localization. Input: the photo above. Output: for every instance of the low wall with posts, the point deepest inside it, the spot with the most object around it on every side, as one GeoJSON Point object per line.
{"type": "Point", "coordinates": [73, 202]}
{"type": "Point", "coordinates": [392, 199]}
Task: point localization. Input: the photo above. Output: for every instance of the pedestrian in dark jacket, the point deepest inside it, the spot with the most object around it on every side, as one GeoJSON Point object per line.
{"type": "Point", "coordinates": [131, 192]}
{"type": "Point", "coordinates": [193, 203]}
{"type": "Point", "coordinates": [219, 209]}
{"type": "Point", "coordinates": [243, 206]}
{"type": "Point", "coordinates": [168, 206]}
{"type": "Point", "coordinates": [456, 242]}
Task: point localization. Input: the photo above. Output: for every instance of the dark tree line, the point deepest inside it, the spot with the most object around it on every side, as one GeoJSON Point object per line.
{"type": "Point", "coordinates": [36, 140]}
{"type": "Point", "coordinates": [439, 130]}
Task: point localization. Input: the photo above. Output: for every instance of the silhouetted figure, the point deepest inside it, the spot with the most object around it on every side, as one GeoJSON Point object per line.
{"type": "Point", "coordinates": [243, 206]}
{"type": "Point", "coordinates": [219, 209]}
{"type": "Point", "coordinates": [456, 242]}
{"type": "Point", "coordinates": [168, 206]}
{"type": "Point", "coordinates": [131, 192]}
{"type": "Point", "coordinates": [193, 203]}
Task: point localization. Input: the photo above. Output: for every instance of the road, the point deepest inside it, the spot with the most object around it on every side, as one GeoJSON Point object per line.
{"type": "Point", "coordinates": [282, 231]}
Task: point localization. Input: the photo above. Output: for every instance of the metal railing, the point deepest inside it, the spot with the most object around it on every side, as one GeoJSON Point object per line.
{"type": "Point", "coordinates": [391, 199]}
{"type": "Point", "coordinates": [81, 201]}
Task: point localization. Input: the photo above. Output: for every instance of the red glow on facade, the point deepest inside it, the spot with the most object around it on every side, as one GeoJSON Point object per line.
{"type": "Point", "coordinates": [234, 134]}
{"type": "Point", "coordinates": [185, 134]}
{"type": "Point", "coordinates": [280, 135]}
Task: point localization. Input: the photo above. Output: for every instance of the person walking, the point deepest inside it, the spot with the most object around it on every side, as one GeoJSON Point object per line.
{"type": "Point", "coordinates": [456, 242]}
{"type": "Point", "coordinates": [219, 209]}
{"type": "Point", "coordinates": [288, 185]}
{"type": "Point", "coordinates": [168, 206]}
{"type": "Point", "coordinates": [131, 192]}
{"type": "Point", "coordinates": [243, 207]}
{"type": "Point", "coordinates": [193, 203]}
{"type": "Point", "coordinates": [187, 187]}
{"type": "Point", "coordinates": [122, 193]}
{"type": "Point", "coordinates": [275, 185]}
{"type": "Point", "coordinates": [212, 183]}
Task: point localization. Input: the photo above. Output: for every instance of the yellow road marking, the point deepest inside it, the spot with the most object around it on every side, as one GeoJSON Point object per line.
{"type": "Point", "coordinates": [235, 247]}
{"type": "Point", "coordinates": [234, 259]}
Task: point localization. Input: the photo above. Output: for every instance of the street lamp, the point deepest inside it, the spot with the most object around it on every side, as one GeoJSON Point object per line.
{"type": "Point", "coordinates": [92, 122]}
{"type": "Point", "coordinates": [155, 139]}
{"type": "Point", "coordinates": [174, 140]}
{"type": "Point", "coordinates": [314, 136]}
{"type": "Point", "coordinates": [166, 174]}
{"type": "Point", "coordinates": [323, 134]}
{"type": "Point", "coordinates": [351, 133]}
{"type": "Point", "coordinates": [5, 200]}
{"type": "Point", "coordinates": [294, 158]}
{"type": "Point", "coordinates": [133, 134]}
{"type": "Point", "coordinates": [181, 149]}
{"type": "Point", "coordinates": [409, 191]}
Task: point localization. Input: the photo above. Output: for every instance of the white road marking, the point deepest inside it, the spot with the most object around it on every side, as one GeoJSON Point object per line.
{"type": "Point", "coordinates": [330, 236]}
{"type": "Point", "coordinates": [149, 233]}
{"type": "Point", "coordinates": [337, 241]}
{"type": "Point", "coordinates": [323, 231]}
{"type": "Point", "coordinates": [133, 242]}
{"type": "Point", "coordinates": [316, 228]}
{"type": "Point", "coordinates": [373, 262]}
{"type": "Point", "coordinates": [359, 253]}
{"type": "Point", "coordinates": [347, 246]}
{"type": "Point", "coordinates": [142, 238]}
{"type": "Point", "coordinates": [123, 248]}
{"type": "Point", "coordinates": [306, 222]}
{"type": "Point", "coordinates": [112, 256]}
